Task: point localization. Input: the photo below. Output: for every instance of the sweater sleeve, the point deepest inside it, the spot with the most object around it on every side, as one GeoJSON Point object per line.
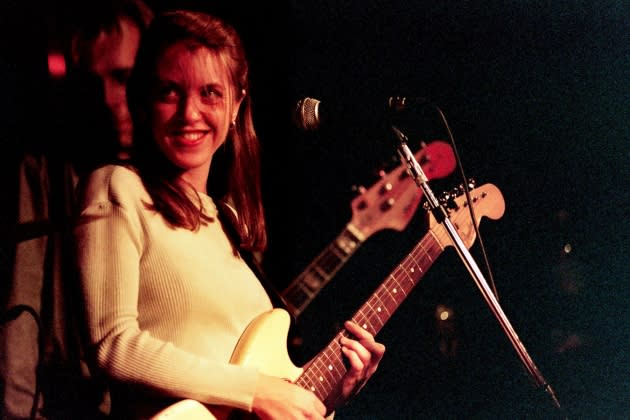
{"type": "Point", "coordinates": [110, 241]}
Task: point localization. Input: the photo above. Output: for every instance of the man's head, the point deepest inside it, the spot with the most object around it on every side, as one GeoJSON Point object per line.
{"type": "Point", "coordinates": [103, 51]}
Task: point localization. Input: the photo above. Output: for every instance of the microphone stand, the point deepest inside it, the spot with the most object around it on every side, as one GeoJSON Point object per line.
{"type": "Point", "coordinates": [441, 216]}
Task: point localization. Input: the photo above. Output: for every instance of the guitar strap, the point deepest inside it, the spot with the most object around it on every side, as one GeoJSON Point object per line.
{"type": "Point", "coordinates": [251, 260]}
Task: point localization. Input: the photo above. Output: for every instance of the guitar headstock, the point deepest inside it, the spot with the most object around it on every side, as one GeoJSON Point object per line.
{"type": "Point", "coordinates": [392, 201]}
{"type": "Point", "coordinates": [486, 200]}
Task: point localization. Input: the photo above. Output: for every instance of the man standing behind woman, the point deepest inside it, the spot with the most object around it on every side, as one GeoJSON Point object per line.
{"type": "Point", "coordinates": [95, 127]}
{"type": "Point", "coordinates": [164, 242]}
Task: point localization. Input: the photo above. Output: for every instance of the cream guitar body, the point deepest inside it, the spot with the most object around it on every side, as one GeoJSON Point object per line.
{"type": "Point", "coordinates": [262, 345]}
{"type": "Point", "coordinates": [186, 409]}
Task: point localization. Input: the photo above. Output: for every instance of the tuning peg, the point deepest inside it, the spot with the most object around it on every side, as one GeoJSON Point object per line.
{"type": "Point", "coordinates": [387, 204]}
{"type": "Point", "coordinates": [360, 203]}
{"type": "Point", "coordinates": [359, 189]}
{"type": "Point", "coordinates": [385, 188]}
{"type": "Point", "coordinates": [403, 174]}
{"type": "Point", "coordinates": [444, 196]}
{"type": "Point", "coordinates": [447, 198]}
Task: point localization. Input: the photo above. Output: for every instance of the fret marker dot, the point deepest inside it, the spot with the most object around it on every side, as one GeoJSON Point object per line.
{"type": "Point", "coordinates": [365, 326]}
{"type": "Point", "coordinates": [395, 290]}
{"type": "Point", "coordinates": [378, 309]}
{"type": "Point", "coordinates": [313, 388]}
{"type": "Point", "coordinates": [330, 367]}
{"type": "Point", "coordinates": [321, 379]}
{"type": "Point", "coordinates": [412, 269]}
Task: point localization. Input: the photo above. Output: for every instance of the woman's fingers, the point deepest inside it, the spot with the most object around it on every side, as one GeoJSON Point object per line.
{"type": "Point", "coordinates": [366, 339]}
{"type": "Point", "coordinates": [363, 352]}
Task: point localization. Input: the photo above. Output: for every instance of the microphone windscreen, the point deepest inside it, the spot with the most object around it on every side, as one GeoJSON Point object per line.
{"type": "Point", "coordinates": [306, 114]}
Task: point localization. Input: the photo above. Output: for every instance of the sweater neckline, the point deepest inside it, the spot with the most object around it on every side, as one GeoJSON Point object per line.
{"type": "Point", "coordinates": [208, 206]}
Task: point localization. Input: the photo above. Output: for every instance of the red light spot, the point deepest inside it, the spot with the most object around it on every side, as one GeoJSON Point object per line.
{"type": "Point", "coordinates": [56, 65]}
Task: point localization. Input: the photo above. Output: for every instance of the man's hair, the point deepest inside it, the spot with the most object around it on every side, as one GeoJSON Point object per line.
{"type": "Point", "coordinates": [90, 19]}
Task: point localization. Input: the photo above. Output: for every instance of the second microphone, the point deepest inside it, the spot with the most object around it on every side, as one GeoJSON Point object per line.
{"type": "Point", "coordinates": [309, 113]}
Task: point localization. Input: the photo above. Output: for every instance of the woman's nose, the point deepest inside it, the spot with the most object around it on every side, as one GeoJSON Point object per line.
{"type": "Point", "coordinates": [190, 109]}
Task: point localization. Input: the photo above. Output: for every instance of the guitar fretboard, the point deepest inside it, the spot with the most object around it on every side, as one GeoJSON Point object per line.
{"type": "Point", "coordinates": [326, 369]}
{"type": "Point", "coordinates": [318, 273]}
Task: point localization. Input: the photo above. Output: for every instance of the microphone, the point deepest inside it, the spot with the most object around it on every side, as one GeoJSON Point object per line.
{"type": "Point", "coordinates": [308, 114]}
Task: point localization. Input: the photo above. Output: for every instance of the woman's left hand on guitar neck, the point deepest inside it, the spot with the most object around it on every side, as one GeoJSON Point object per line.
{"type": "Point", "coordinates": [363, 354]}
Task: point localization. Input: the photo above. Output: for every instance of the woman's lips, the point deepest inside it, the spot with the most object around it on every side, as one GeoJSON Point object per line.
{"type": "Point", "coordinates": [189, 138]}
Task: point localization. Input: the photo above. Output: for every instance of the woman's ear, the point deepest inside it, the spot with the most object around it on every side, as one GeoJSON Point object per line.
{"type": "Point", "coordinates": [237, 104]}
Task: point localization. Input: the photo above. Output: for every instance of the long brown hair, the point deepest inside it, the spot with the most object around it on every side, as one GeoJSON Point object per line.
{"type": "Point", "coordinates": [235, 171]}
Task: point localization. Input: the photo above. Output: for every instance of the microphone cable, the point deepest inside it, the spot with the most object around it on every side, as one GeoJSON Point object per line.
{"type": "Point", "coordinates": [471, 210]}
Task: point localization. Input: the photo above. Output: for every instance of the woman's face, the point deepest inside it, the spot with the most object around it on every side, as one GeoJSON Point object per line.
{"type": "Point", "coordinates": [192, 107]}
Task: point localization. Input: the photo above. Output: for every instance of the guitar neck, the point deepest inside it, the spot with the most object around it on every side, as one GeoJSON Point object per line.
{"type": "Point", "coordinates": [325, 370]}
{"type": "Point", "coordinates": [303, 289]}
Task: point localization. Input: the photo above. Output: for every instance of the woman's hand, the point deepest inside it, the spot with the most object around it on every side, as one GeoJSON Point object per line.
{"type": "Point", "coordinates": [363, 354]}
{"type": "Point", "coordinates": [278, 399]}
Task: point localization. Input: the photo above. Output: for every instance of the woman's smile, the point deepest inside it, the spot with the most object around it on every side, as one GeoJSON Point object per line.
{"type": "Point", "coordinates": [188, 138]}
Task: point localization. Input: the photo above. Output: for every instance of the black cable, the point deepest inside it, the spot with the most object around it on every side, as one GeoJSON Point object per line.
{"type": "Point", "coordinates": [12, 314]}
{"type": "Point", "coordinates": [470, 206]}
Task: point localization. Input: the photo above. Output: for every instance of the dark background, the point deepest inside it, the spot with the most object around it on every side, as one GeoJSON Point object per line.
{"type": "Point", "coordinates": [536, 93]}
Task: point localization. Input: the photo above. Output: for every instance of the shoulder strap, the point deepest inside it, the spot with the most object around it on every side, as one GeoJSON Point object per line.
{"type": "Point", "coordinates": [251, 261]}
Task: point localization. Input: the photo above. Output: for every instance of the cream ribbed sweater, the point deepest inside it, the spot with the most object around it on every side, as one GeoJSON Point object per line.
{"type": "Point", "coordinates": [165, 307]}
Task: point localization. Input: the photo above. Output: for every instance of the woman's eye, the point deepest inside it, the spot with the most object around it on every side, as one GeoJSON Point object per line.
{"type": "Point", "coordinates": [210, 95]}
{"type": "Point", "coordinates": [167, 94]}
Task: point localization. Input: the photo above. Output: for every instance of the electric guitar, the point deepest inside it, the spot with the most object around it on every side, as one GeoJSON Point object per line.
{"type": "Point", "coordinates": [263, 344]}
{"type": "Point", "coordinates": [389, 203]}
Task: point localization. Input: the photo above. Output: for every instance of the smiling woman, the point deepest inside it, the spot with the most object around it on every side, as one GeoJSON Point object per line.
{"type": "Point", "coordinates": [193, 109]}
{"type": "Point", "coordinates": [165, 243]}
